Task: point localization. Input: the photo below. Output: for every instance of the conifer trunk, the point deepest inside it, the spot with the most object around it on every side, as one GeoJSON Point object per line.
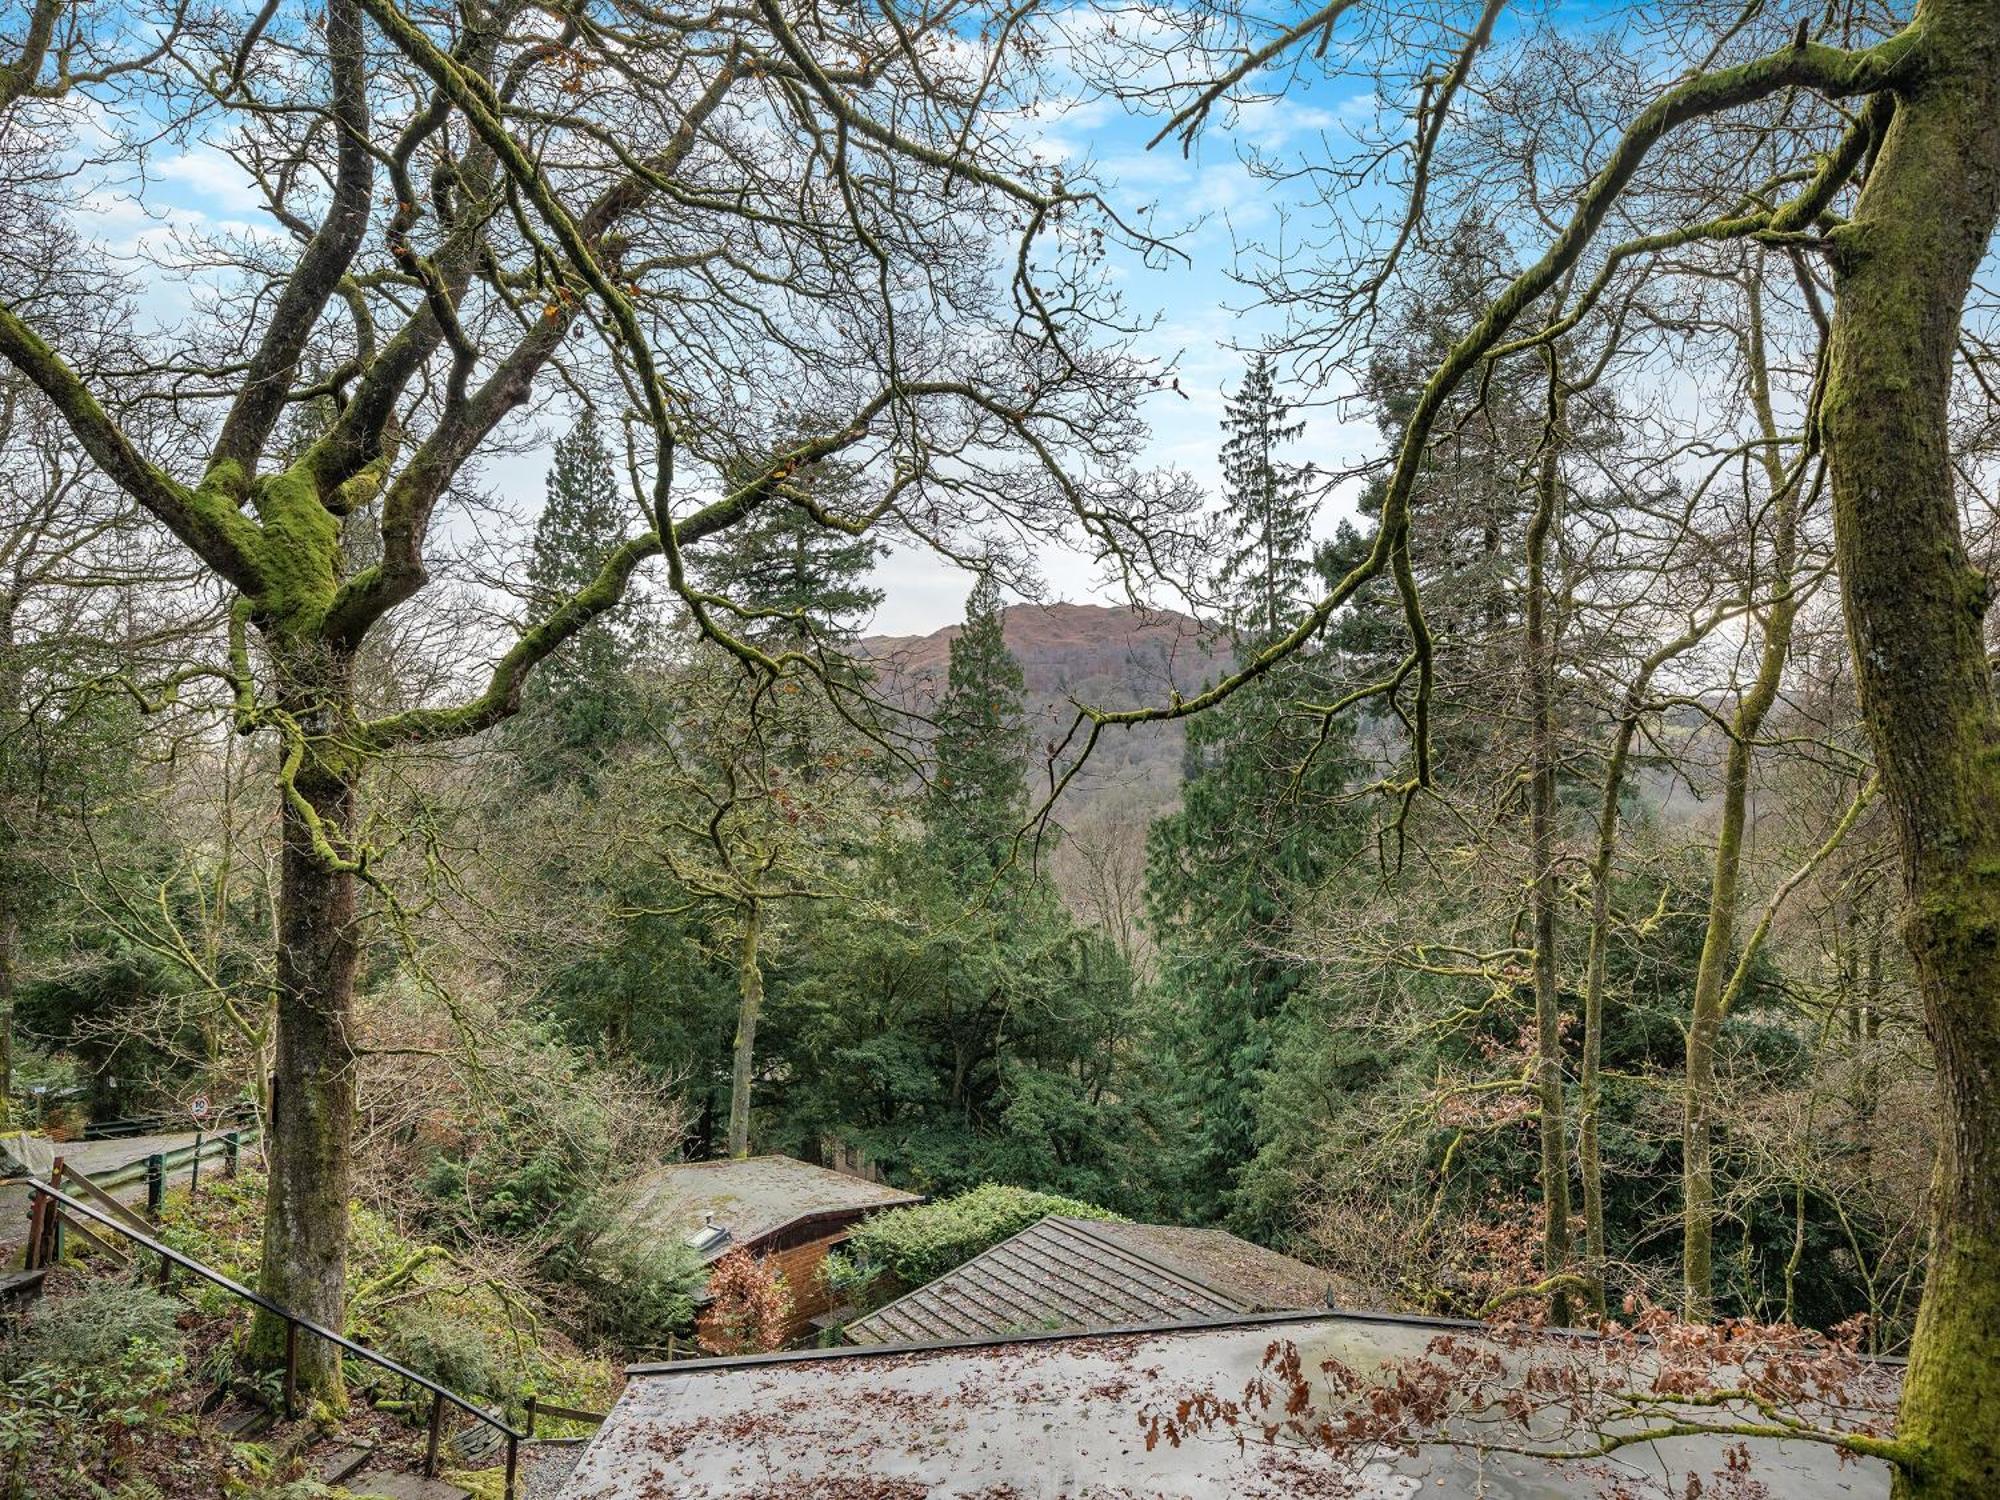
{"type": "Point", "coordinates": [1916, 612]}
{"type": "Point", "coordinates": [750, 1004]}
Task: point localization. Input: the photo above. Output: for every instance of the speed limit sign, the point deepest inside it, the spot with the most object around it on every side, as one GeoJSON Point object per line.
{"type": "Point", "coordinates": [198, 1107]}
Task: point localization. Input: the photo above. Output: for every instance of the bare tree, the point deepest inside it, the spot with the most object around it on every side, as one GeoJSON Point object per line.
{"type": "Point", "coordinates": [1869, 142]}
{"type": "Point", "coordinates": [702, 217]}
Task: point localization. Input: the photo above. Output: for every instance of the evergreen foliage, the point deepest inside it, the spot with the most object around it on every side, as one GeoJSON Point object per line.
{"type": "Point", "coordinates": [1263, 582]}
{"type": "Point", "coordinates": [978, 790]}
{"type": "Point", "coordinates": [798, 581]}
{"type": "Point", "coordinates": [1259, 825]}
{"type": "Point", "coordinates": [578, 704]}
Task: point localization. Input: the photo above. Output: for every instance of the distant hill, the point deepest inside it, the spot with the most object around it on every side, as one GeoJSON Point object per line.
{"type": "Point", "coordinates": [1112, 656]}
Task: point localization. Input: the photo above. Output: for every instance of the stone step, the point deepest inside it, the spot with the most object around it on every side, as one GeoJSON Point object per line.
{"type": "Point", "coordinates": [251, 1422]}
{"type": "Point", "coordinates": [394, 1484]}
{"type": "Point", "coordinates": [338, 1464]}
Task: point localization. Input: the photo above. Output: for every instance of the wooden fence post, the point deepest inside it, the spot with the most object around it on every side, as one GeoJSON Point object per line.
{"type": "Point", "coordinates": [156, 1184]}
{"type": "Point", "coordinates": [52, 1221]}
{"type": "Point", "coordinates": [37, 1207]}
{"type": "Point", "coordinates": [437, 1432]}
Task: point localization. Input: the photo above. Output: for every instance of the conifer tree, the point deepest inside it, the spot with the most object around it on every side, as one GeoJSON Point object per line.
{"type": "Point", "coordinates": [978, 793]}
{"type": "Point", "coordinates": [1256, 822]}
{"type": "Point", "coordinates": [808, 581]}
{"type": "Point", "coordinates": [579, 703]}
{"type": "Point", "coordinates": [1263, 582]}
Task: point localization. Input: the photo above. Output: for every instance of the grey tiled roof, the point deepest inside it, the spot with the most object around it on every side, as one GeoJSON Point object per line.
{"type": "Point", "coordinates": [1076, 1273]}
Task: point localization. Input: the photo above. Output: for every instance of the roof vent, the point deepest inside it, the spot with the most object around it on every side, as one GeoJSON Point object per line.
{"type": "Point", "coordinates": [711, 1235]}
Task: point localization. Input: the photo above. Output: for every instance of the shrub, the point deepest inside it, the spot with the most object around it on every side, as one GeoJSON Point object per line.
{"type": "Point", "coordinates": [916, 1245]}
{"type": "Point", "coordinates": [637, 1288]}
{"type": "Point", "coordinates": [84, 1377]}
{"type": "Point", "coordinates": [93, 1329]}
{"type": "Point", "coordinates": [452, 1350]}
{"type": "Point", "coordinates": [749, 1308]}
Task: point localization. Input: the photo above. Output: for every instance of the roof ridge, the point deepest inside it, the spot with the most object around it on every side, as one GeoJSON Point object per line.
{"type": "Point", "coordinates": [913, 1291]}
{"type": "Point", "coordinates": [1193, 1325]}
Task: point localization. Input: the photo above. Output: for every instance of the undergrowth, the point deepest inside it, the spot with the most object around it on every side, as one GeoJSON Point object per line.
{"type": "Point", "coordinates": [112, 1390]}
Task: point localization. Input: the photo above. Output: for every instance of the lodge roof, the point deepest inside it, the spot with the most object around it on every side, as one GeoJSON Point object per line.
{"type": "Point", "coordinates": [751, 1197]}
{"type": "Point", "coordinates": [1035, 1417]}
{"type": "Point", "coordinates": [1081, 1273]}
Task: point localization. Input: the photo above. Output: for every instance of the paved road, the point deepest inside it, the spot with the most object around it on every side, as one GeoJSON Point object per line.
{"type": "Point", "coordinates": [100, 1159]}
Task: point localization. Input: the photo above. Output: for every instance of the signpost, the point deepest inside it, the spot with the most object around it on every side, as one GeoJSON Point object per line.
{"type": "Point", "coordinates": [198, 1108]}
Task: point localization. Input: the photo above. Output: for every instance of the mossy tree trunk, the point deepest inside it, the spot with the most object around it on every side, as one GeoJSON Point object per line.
{"type": "Point", "coordinates": [10, 941]}
{"type": "Point", "coordinates": [1590, 1074]}
{"type": "Point", "coordinates": [312, 1098]}
{"type": "Point", "coordinates": [11, 724]}
{"type": "Point", "coordinates": [1916, 611]}
{"type": "Point", "coordinates": [1540, 663]}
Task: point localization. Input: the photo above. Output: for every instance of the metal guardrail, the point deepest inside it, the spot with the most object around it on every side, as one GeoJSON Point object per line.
{"type": "Point", "coordinates": [155, 1169]}
{"type": "Point", "coordinates": [294, 1325]}
{"type": "Point", "coordinates": [161, 1124]}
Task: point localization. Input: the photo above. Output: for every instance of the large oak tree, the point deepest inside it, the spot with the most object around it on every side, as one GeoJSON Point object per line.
{"type": "Point", "coordinates": [705, 220]}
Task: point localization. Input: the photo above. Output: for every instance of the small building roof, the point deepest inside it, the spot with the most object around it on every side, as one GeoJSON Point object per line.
{"type": "Point", "coordinates": [751, 1197]}
{"type": "Point", "coordinates": [1082, 1273]}
{"type": "Point", "coordinates": [1264, 1279]}
{"type": "Point", "coordinates": [1056, 1417]}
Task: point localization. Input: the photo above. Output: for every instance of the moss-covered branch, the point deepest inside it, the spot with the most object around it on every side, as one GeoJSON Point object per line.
{"type": "Point", "coordinates": [204, 519]}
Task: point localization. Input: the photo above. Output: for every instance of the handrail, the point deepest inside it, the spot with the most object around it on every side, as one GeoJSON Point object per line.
{"type": "Point", "coordinates": [294, 1322]}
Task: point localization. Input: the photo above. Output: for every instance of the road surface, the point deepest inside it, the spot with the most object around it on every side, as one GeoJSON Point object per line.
{"type": "Point", "coordinates": [100, 1159]}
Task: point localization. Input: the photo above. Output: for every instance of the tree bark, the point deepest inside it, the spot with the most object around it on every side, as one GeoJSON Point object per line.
{"type": "Point", "coordinates": [1710, 1008]}
{"type": "Point", "coordinates": [312, 1106]}
{"type": "Point", "coordinates": [750, 990]}
{"type": "Point", "coordinates": [10, 938]}
{"type": "Point", "coordinates": [11, 818]}
{"type": "Point", "coordinates": [1916, 612]}
{"type": "Point", "coordinates": [1590, 1087]}
{"type": "Point", "coordinates": [1556, 1243]}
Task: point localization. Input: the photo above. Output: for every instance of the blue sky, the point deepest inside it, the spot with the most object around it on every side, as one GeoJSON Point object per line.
{"type": "Point", "coordinates": [1203, 321]}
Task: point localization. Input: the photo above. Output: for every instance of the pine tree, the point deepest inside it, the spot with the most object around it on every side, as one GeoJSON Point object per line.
{"type": "Point", "coordinates": [1259, 822]}
{"type": "Point", "coordinates": [1263, 582]}
{"type": "Point", "coordinates": [579, 703]}
{"type": "Point", "coordinates": [807, 581]}
{"type": "Point", "coordinates": [978, 793]}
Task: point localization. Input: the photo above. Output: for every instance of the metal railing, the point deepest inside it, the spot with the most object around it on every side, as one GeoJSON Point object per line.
{"type": "Point", "coordinates": [154, 1170]}
{"type": "Point", "coordinates": [294, 1325]}
{"type": "Point", "coordinates": [162, 1124]}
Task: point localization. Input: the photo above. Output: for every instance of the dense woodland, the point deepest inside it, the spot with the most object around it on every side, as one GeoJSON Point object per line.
{"type": "Point", "coordinates": [1578, 892]}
